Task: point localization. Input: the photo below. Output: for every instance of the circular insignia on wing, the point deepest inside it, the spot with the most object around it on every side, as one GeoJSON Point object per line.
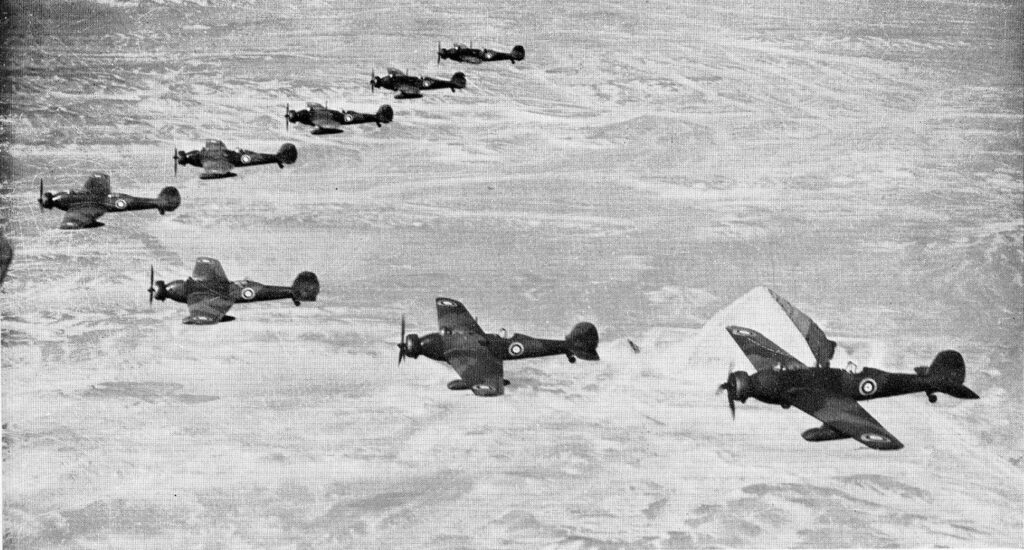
{"type": "Point", "coordinates": [868, 386]}
{"type": "Point", "coordinates": [120, 204]}
{"type": "Point", "coordinates": [246, 159]}
{"type": "Point", "coordinates": [248, 293]}
{"type": "Point", "coordinates": [515, 349]}
{"type": "Point", "coordinates": [874, 438]}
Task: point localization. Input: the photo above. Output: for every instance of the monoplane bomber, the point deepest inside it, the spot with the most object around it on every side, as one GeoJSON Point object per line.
{"type": "Point", "coordinates": [831, 394]}
{"type": "Point", "coordinates": [216, 160]}
{"type": "Point", "coordinates": [209, 294]}
{"type": "Point", "coordinates": [468, 54]}
{"type": "Point", "coordinates": [477, 357]}
{"type": "Point", "coordinates": [329, 121]}
{"type": "Point", "coordinates": [85, 206]}
{"type": "Point", "coordinates": [409, 87]}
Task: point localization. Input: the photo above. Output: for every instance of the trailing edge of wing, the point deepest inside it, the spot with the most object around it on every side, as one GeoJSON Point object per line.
{"type": "Point", "coordinates": [207, 308]}
{"type": "Point", "coordinates": [477, 366]}
{"type": "Point", "coordinates": [82, 215]}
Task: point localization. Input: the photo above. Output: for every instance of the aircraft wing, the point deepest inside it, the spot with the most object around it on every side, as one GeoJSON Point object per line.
{"type": "Point", "coordinates": [762, 352]}
{"type": "Point", "coordinates": [845, 415]}
{"type": "Point", "coordinates": [207, 307]}
{"type": "Point", "coordinates": [218, 165]}
{"type": "Point", "coordinates": [408, 89]}
{"type": "Point", "coordinates": [323, 118]}
{"type": "Point", "coordinates": [209, 270]}
{"type": "Point", "coordinates": [395, 72]}
{"type": "Point", "coordinates": [452, 316]}
{"type": "Point", "coordinates": [476, 365]}
{"type": "Point", "coordinates": [82, 215]}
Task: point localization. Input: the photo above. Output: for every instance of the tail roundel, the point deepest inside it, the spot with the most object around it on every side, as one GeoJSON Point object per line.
{"type": "Point", "coordinates": [306, 287]}
{"type": "Point", "coordinates": [947, 372]}
{"type": "Point", "coordinates": [287, 154]}
{"type": "Point", "coordinates": [518, 53]}
{"type": "Point", "coordinates": [582, 341]}
{"type": "Point", "coordinates": [168, 200]}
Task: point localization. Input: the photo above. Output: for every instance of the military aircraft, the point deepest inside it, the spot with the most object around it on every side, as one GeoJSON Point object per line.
{"type": "Point", "coordinates": [329, 121]}
{"type": "Point", "coordinates": [831, 394]}
{"type": "Point", "coordinates": [409, 87]}
{"type": "Point", "coordinates": [209, 294]}
{"type": "Point", "coordinates": [84, 206]}
{"type": "Point", "coordinates": [468, 54]}
{"type": "Point", "coordinates": [477, 357]}
{"type": "Point", "coordinates": [216, 160]}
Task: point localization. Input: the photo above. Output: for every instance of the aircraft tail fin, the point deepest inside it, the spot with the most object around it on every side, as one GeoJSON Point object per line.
{"type": "Point", "coordinates": [582, 341]}
{"type": "Point", "coordinates": [458, 80]}
{"type": "Point", "coordinates": [518, 53]}
{"type": "Point", "coordinates": [287, 154]}
{"type": "Point", "coordinates": [168, 200]}
{"type": "Point", "coordinates": [306, 287]}
{"type": "Point", "coordinates": [947, 372]}
{"type": "Point", "coordinates": [385, 114]}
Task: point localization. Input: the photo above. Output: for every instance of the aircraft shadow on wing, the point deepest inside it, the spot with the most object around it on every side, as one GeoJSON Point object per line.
{"type": "Point", "coordinates": [468, 54]}
{"type": "Point", "coordinates": [409, 87]}
{"type": "Point", "coordinates": [84, 206]}
{"type": "Point", "coordinates": [831, 394]}
{"type": "Point", "coordinates": [478, 357]}
{"type": "Point", "coordinates": [209, 294]}
{"type": "Point", "coordinates": [329, 121]}
{"type": "Point", "coordinates": [217, 161]}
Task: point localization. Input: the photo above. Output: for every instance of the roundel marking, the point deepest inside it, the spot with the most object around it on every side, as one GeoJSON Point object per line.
{"type": "Point", "coordinates": [446, 302]}
{"type": "Point", "coordinates": [515, 349]}
{"type": "Point", "coordinates": [348, 118]}
{"type": "Point", "coordinates": [868, 386]}
{"type": "Point", "coordinates": [248, 293]}
{"type": "Point", "coordinates": [120, 204]}
{"type": "Point", "coordinates": [874, 438]}
{"type": "Point", "coordinates": [246, 159]}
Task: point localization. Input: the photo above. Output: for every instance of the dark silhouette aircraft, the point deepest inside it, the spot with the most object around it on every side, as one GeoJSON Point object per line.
{"type": "Point", "coordinates": [409, 87]}
{"type": "Point", "coordinates": [85, 206]}
{"type": "Point", "coordinates": [477, 357]}
{"type": "Point", "coordinates": [329, 121]}
{"type": "Point", "coordinates": [831, 394]}
{"type": "Point", "coordinates": [468, 54]}
{"type": "Point", "coordinates": [216, 160]}
{"type": "Point", "coordinates": [209, 294]}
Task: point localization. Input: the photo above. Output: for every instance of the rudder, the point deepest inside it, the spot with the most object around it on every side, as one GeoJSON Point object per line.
{"type": "Point", "coordinates": [385, 114]}
{"type": "Point", "coordinates": [948, 371]}
{"type": "Point", "coordinates": [459, 80]}
{"type": "Point", "coordinates": [287, 154]}
{"type": "Point", "coordinates": [518, 53]}
{"type": "Point", "coordinates": [168, 200]}
{"type": "Point", "coordinates": [306, 287]}
{"type": "Point", "coordinates": [582, 341]}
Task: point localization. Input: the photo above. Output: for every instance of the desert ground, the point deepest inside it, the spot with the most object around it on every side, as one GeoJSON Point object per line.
{"type": "Point", "coordinates": [643, 168]}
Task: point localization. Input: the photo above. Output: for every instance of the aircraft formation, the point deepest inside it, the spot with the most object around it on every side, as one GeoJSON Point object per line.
{"type": "Point", "coordinates": [829, 394]}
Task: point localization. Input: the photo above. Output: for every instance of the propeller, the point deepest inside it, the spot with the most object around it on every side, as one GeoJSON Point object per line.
{"type": "Point", "coordinates": [286, 110]}
{"type": "Point", "coordinates": [401, 346]}
{"type": "Point", "coordinates": [373, 78]}
{"type": "Point", "coordinates": [732, 388]}
{"type": "Point", "coordinates": [152, 291]}
{"type": "Point", "coordinates": [40, 194]}
{"type": "Point", "coordinates": [438, 52]}
{"type": "Point", "coordinates": [45, 199]}
{"type": "Point", "coordinates": [175, 157]}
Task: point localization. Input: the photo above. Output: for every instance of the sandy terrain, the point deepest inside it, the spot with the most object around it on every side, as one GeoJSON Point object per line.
{"type": "Point", "coordinates": [643, 168]}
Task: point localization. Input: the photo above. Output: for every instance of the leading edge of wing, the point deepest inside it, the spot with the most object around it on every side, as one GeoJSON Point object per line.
{"type": "Point", "coordinates": [209, 270]}
{"type": "Point", "coordinates": [845, 415]}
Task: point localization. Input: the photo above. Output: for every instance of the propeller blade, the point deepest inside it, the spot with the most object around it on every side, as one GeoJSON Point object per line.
{"type": "Point", "coordinates": [401, 345]}
{"type": "Point", "coordinates": [286, 117]}
{"type": "Point", "coordinates": [40, 194]}
{"type": "Point", "coordinates": [439, 52]}
{"type": "Point", "coordinates": [152, 290]}
{"type": "Point", "coordinates": [732, 408]}
{"type": "Point", "coordinates": [175, 162]}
